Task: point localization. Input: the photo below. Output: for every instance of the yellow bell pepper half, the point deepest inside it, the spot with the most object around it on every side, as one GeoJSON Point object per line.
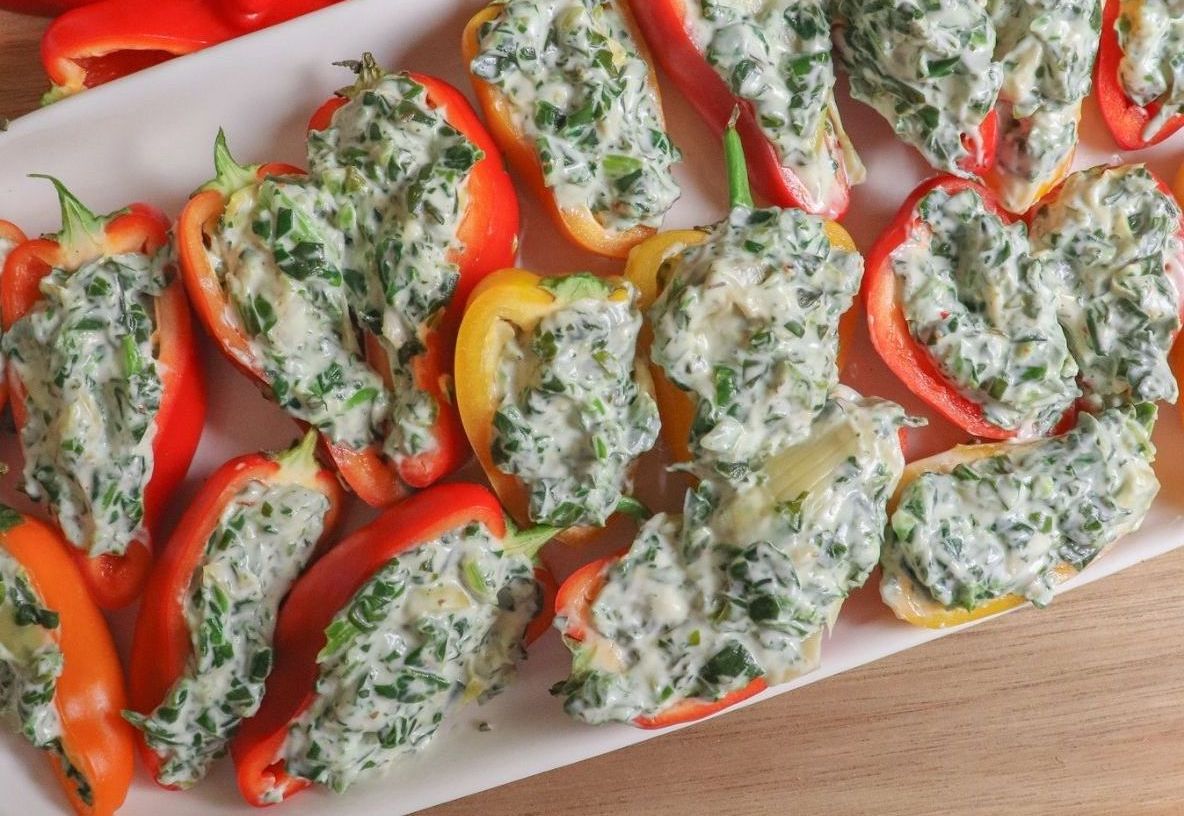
{"type": "Point", "coordinates": [503, 305]}
{"type": "Point", "coordinates": [913, 603]}
{"type": "Point", "coordinates": [644, 269]}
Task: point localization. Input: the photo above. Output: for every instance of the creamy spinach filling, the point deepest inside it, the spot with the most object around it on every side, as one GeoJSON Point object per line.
{"type": "Point", "coordinates": [86, 356]}
{"type": "Point", "coordinates": [927, 66]}
{"type": "Point", "coordinates": [438, 623]}
{"type": "Point", "coordinates": [573, 418]}
{"type": "Point", "coordinates": [743, 583]}
{"type": "Point", "coordinates": [985, 311]}
{"type": "Point", "coordinates": [579, 92]}
{"type": "Point", "coordinates": [399, 174]}
{"type": "Point", "coordinates": [31, 662]}
{"type": "Point", "coordinates": [1114, 237]}
{"type": "Point", "coordinates": [1006, 524]}
{"type": "Point", "coordinates": [776, 55]}
{"type": "Point", "coordinates": [365, 245]}
{"type": "Point", "coordinates": [262, 541]}
{"type": "Point", "coordinates": [278, 254]}
{"type": "Point", "coordinates": [1046, 49]}
{"type": "Point", "coordinates": [748, 324]}
{"type": "Point", "coordinates": [1151, 36]}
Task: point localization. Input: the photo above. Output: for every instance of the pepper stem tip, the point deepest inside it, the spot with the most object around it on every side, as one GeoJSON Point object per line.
{"type": "Point", "coordinates": [81, 229]}
{"type": "Point", "coordinates": [527, 542]}
{"type": "Point", "coordinates": [739, 192]}
{"type": "Point", "coordinates": [229, 175]}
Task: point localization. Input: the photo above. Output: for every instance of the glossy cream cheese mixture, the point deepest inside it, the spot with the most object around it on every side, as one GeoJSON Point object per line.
{"type": "Point", "coordinates": [262, 541]}
{"type": "Point", "coordinates": [86, 356]}
{"type": "Point", "coordinates": [741, 585]}
{"type": "Point", "coordinates": [1151, 35]}
{"type": "Point", "coordinates": [580, 94]}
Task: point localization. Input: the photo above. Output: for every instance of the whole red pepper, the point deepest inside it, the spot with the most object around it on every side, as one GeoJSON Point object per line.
{"type": "Point", "coordinates": [116, 581]}
{"type": "Point", "coordinates": [573, 607]}
{"type": "Point", "coordinates": [318, 596]}
{"type": "Point", "coordinates": [163, 641]}
{"type": "Point", "coordinates": [13, 235]}
{"type": "Point", "coordinates": [89, 694]}
{"type": "Point", "coordinates": [105, 40]}
{"type": "Point", "coordinates": [663, 22]}
{"type": "Point", "coordinates": [1126, 120]}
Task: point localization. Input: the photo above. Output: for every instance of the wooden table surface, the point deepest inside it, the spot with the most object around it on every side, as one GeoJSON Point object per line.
{"type": "Point", "coordinates": [1076, 709]}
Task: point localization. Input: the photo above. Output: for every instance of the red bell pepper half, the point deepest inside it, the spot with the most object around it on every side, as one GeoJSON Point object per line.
{"type": "Point", "coordinates": [488, 232]}
{"type": "Point", "coordinates": [1127, 120]}
{"type": "Point", "coordinates": [13, 235]}
{"type": "Point", "coordinates": [573, 607]}
{"type": "Point", "coordinates": [320, 594]}
{"type": "Point", "coordinates": [663, 22]}
{"type": "Point", "coordinates": [163, 642]}
{"type": "Point", "coordinates": [116, 581]}
{"type": "Point", "coordinates": [102, 41]}
{"type": "Point", "coordinates": [89, 695]}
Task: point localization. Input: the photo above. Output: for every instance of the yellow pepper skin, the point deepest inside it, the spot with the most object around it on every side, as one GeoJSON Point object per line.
{"type": "Point", "coordinates": [502, 305]}
{"type": "Point", "coordinates": [577, 225]}
{"type": "Point", "coordinates": [644, 270]}
{"type": "Point", "coordinates": [912, 603]}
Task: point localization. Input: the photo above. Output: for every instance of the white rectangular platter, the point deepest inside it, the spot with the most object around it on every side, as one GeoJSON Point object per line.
{"type": "Point", "coordinates": [149, 137]}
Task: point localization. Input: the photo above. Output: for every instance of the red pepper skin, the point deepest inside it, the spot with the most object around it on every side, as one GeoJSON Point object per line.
{"type": "Point", "coordinates": [102, 41]}
{"type": "Point", "coordinates": [573, 604]}
{"type": "Point", "coordinates": [663, 22]}
{"type": "Point", "coordinates": [90, 694]}
{"type": "Point", "coordinates": [322, 591]}
{"type": "Point", "coordinates": [116, 581]}
{"type": "Point", "coordinates": [488, 232]}
{"type": "Point", "coordinates": [889, 330]}
{"type": "Point", "coordinates": [1125, 119]}
{"type": "Point", "coordinates": [163, 643]}
{"type": "Point", "coordinates": [12, 233]}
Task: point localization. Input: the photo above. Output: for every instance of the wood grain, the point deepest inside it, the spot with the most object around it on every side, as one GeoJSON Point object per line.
{"type": "Point", "coordinates": [1077, 709]}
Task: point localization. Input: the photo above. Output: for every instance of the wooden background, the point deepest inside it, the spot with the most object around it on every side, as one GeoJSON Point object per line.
{"type": "Point", "coordinates": [1076, 709]}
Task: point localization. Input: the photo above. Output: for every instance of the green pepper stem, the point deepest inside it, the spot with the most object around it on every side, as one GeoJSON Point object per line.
{"type": "Point", "coordinates": [229, 175]}
{"type": "Point", "coordinates": [81, 230]}
{"type": "Point", "coordinates": [301, 456]}
{"type": "Point", "coordinates": [739, 193]}
{"type": "Point", "coordinates": [527, 542]}
{"type": "Point", "coordinates": [367, 68]}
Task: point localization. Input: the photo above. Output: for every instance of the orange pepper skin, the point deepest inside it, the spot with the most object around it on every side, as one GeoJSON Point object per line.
{"type": "Point", "coordinates": [163, 642]}
{"type": "Point", "coordinates": [323, 590]}
{"type": "Point", "coordinates": [90, 692]}
{"type": "Point", "coordinates": [577, 225]}
{"type": "Point", "coordinates": [1125, 119]}
{"type": "Point", "coordinates": [116, 581]}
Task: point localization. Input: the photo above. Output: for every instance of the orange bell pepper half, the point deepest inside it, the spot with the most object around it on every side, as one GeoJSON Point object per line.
{"type": "Point", "coordinates": [577, 225]}
{"type": "Point", "coordinates": [505, 303]}
{"type": "Point", "coordinates": [163, 641]}
{"type": "Point", "coordinates": [89, 696]}
{"type": "Point", "coordinates": [115, 581]}
{"type": "Point", "coordinates": [324, 590]}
